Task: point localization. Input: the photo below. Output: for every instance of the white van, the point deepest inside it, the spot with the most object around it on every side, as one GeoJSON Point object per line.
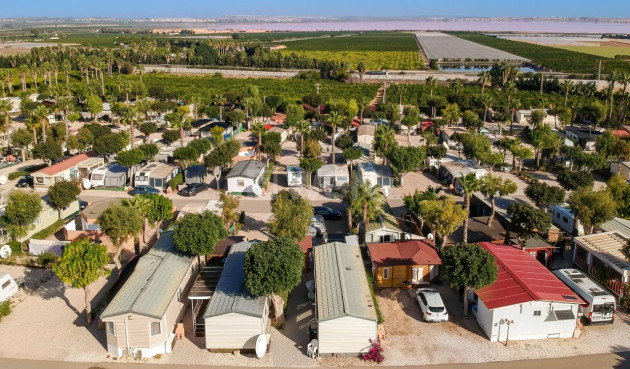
{"type": "Point", "coordinates": [599, 304]}
{"type": "Point", "coordinates": [8, 287]}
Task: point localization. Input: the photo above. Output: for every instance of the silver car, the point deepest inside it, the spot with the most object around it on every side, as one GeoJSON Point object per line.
{"type": "Point", "coordinates": [431, 305]}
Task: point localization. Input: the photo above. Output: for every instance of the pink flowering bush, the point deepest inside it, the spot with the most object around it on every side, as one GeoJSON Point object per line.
{"type": "Point", "coordinates": [375, 353]}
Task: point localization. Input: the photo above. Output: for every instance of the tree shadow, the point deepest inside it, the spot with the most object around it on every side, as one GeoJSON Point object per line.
{"type": "Point", "coordinates": [44, 284]}
{"type": "Point", "coordinates": [622, 357]}
{"type": "Point", "coordinates": [299, 312]}
{"type": "Point", "coordinates": [253, 224]}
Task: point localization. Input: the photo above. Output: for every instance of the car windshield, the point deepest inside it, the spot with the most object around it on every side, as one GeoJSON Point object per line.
{"type": "Point", "coordinates": [436, 309]}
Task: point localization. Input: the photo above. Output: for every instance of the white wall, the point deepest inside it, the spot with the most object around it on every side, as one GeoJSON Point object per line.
{"type": "Point", "coordinates": [232, 184]}
{"type": "Point", "coordinates": [558, 218]}
{"type": "Point", "coordinates": [375, 236]}
{"type": "Point", "coordinates": [233, 331]}
{"type": "Point", "coordinates": [345, 335]}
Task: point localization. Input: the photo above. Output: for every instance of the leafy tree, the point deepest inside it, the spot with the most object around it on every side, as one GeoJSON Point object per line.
{"type": "Point", "coordinates": [574, 180]}
{"type": "Point", "coordinates": [170, 136]}
{"type": "Point", "coordinates": [521, 152]}
{"type": "Point", "coordinates": [147, 128]}
{"type": "Point", "coordinates": [491, 186]}
{"type": "Point", "coordinates": [229, 213]}
{"type": "Point", "coordinates": [471, 120]}
{"type": "Point", "coordinates": [351, 154]}
{"type": "Point", "coordinates": [310, 165]}
{"type": "Point", "coordinates": [544, 195]}
{"type": "Point", "coordinates": [411, 119]}
{"type": "Point", "coordinates": [271, 144]}
{"type": "Point", "coordinates": [234, 116]}
{"type": "Point", "coordinates": [406, 159]}
{"type": "Point", "coordinates": [198, 234]}
{"type": "Point", "coordinates": [201, 146]}
{"type": "Point", "coordinates": [470, 184]}
{"type": "Point", "coordinates": [111, 143]}
{"type": "Point", "coordinates": [537, 117]}
{"type": "Point", "coordinates": [160, 208]}
{"type": "Point", "coordinates": [589, 162]}
{"type": "Point", "coordinates": [120, 223]}
{"type": "Point", "coordinates": [274, 268]}
{"type": "Point", "coordinates": [451, 114]}
{"type": "Point", "coordinates": [291, 215]}
{"type": "Point", "coordinates": [344, 142]}
{"type": "Point", "coordinates": [185, 155]}
{"type": "Point", "coordinates": [437, 152]}
{"type": "Point", "coordinates": [312, 149]}
{"type": "Point", "coordinates": [543, 139]}
{"type": "Point", "coordinates": [295, 113]}
{"type": "Point", "coordinates": [81, 264]}
{"type": "Point", "coordinates": [470, 266]}
{"type": "Point", "coordinates": [47, 151]}
{"type": "Point", "coordinates": [22, 210]}
{"type": "Point", "coordinates": [620, 191]}
{"type": "Point", "coordinates": [21, 138]}
{"type": "Point", "coordinates": [94, 105]}
{"type": "Point", "coordinates": [526, 220]}
{"type": "Point", "coordinates": [475, 145]}
{"type": "Point", "coordinates": [441, 213]}
{"type": "Point", "coordinates": [367, 202]}
{"type": "Point", "coordinates": [384, 140]}
{"type": "Point", "coordinates": [592, 208]}
{"type": "Point", "coordinates": [129, 158]}
{"type": "Point", "coordinates": [216, 133]}
{"type": "Point", "coordinates": [149, 150]}
{"type": "Point", "coordinates": [62, 194]}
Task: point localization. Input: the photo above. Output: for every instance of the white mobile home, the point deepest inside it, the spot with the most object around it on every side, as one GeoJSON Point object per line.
{"type": "Point", "coordinates": [527, 297]}
{"type": "Point", "coordinates": [110, 175]}
{"type": "Point", "coordinates": [156, 175]}
{"type": "Point", "coordinates": [377, 175]}
{"type": "Point", "coordinates": [141, 319]}
{"type": "Point", "coordinates": [245, 175]}
{"type": "Point", "coordinates": [384, 228]}
{"type": "Point", "coordinates": [563, 217]}
{"type": "Point", "coordinates": [76, 167]}
{"type": "Point", "coordinates": [332, 175]}
{"type": "Point", "coordinates": [344, 308]}
{"type": "Point", "coordinates": [524, 116]}
{"type": "Point", "coordinates": [365, 134]}
{"type": "Point", "coordinates": [234, 317]}
{"type": "Point", "coordinates": [284, 134]}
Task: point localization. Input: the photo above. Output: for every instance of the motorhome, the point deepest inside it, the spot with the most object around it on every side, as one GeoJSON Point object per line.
{"type": "Point", "coordinates": [109, 175]}
{"type": "Point", "coordinates": [600, 304]}
{"type": "Point", "coordinates": [8, 287]}
{"type": "Point", "coordinates": [156, 175]}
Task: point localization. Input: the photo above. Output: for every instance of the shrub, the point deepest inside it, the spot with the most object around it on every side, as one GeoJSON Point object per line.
{"type": "Point", "coordinates": [375, 353]}
{"type": "Point", "coordinates": [5, 309]}
{"type": "Point", "coordinates": [17, 174]}
{"type": "Point", "coordinates": [265, 180]}
{"type": "Point", "coordinates": [379, 315]}
{"type": "Point", "coordinates": [173, 183]}
{"type": "Point", "coordinates": [51, 229]}
{"type": "Point", "coordinates": [46, 259]}
{"type": "Point", "coordinates": [16, 247]}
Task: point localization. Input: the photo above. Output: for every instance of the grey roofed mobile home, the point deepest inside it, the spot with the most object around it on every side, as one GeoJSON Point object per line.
{"type": "Point", "coordinates": [247, 169]}
{"type": "Point", "coordinates": [141, 318]}
{"type": "Point", "coordinates": [234, 317]}
{"type": "Point", "coordinates": [344, 307]}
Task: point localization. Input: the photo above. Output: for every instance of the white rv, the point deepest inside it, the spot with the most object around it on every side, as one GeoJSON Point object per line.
{"type": "Point", "coordinates": [294, 176]}
{"type": "Point", "coordinates": [600, 304]}
{"type": "Point", "coordinates": [8, 287]}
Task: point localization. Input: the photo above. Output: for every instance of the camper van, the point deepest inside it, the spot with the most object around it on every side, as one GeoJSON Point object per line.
{"type": "Point", "coordinates": [599, 306]}
{"type": "Point", "coordinates": [8, 285]}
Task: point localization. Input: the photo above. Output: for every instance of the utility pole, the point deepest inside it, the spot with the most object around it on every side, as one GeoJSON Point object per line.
{"type": "Point", "coordinates": [599, 74]}
{"type": "Point", "coordinates": [317, 86]}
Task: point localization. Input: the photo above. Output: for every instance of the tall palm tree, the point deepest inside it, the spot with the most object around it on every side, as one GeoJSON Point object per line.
{"type": "Point", "coordinates": [567, 86]}
{"type": "Point", "coordinates": [303, 127]}
{"type": "Point", "coordinates": [484, 79]}
{"type": "Point", "coordinates": [142, 204]}
{"type": "Point", "coordinates": [433, 83]}
{"type": "Point", "coordinates": [258, 129]}
{"type": "Point", "coordinates": [23, 70]}
{"type": "Point", "coordinates": [612, 79]}
{"type": "Point", "coordinates": [486, 101]}
{"type": "Point", "coordinates": [129, 117]}
{"type": "Point", "coordinates": [334, 120]}
{"type": "Point", "coordinates": [369, 202]}
{"type": "Point", "coordinates": [384, 138]}
{"type": "Point", "coordinates": [64, 103]}
{"type": "Point", "coordinates": [41, 113]}
{"type": "Point", "coordinates": [470, 184]}
{"type": "Point", "coordinates": [5, 109]}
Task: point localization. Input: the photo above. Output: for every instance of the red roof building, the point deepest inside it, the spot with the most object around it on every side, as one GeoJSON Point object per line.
{"type": "Point", "coordinates": [527, 293]}
{"type": "Point", "coordinates": [404, 263]}
{"type": "Point", "coordinates": [621, 133]}
{"type": "Point", "coordinates": [76, 167]}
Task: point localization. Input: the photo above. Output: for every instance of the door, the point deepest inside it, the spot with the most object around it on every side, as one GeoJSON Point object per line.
{"type": "Point", "coordinates": [416, 274]}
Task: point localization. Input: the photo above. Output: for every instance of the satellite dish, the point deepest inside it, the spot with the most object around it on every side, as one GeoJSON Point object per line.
{"type": "Point", "coordinates": [3, 179]}
{"type": "Point", "coordinates": [5, 251]}
{"type": "Point", "coordinates": [407, 236]}
{"type": "Point", "coordinates": [256, 190]}
{"type": "Point", "coordinates": [261, 346]}
{"type": "Point", "coordinates": [87, 184]}
{"type": "Point", "coordinates": [431, 236]}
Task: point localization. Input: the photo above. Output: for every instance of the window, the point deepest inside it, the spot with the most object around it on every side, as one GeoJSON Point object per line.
{"type": "Point", "coordinates": [38, 221]}
{"type": "Point", "coordinates": [110, 328]}
{"type": "Point", "coordinates": [159, 182]}
{"type": "Point", "coordinates": [386, 238]}
{"type": "Point", "coordinates": [156, 328]}
{"type": "Point", "coordinates": [179, 294]}
{"type": "Point", "coordinates": [565, 219]}
{"type": "Point", "coordinates": [536, 312]}
{"type": "Point", "coordinates": [417, 274]}
{"type": "Point", "coordinates": [240, 183]}
{"type": "Point", "coordinates": [97, 177]}
{"type": "Point", "coordinates": [6, 284]}
{"type": "Point", "coordinates": [558, 215]}
{"type": "Point", "coordinates": [51, 213]}
{"type": "Point", "coordinates": [142, 178]}
{"type": "Point", "coordinates": [386, 182]}
{"type": "Point", "coordinates": [386, 273]}
{"type": "Point", "coordinates": [39, 180]}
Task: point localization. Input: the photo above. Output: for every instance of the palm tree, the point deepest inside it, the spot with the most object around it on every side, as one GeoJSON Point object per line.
{"type": "Point", "coordinates": [470, 184]}
{"type": "Point", "coordinates": [23, 70]}
{"type": "Point", "coordinates": [302, 126]}
{"type": "Point", "coordinates": [567, 86]}
{"type": "Point", "coordinates": [142, 204]}
{"type": "Point", "coordinates": [486, 101]}
{"type": "Point", "coordinates": [5, 109]}
{"type": "Point", "coordinates": [457, 86]}
{"type": "Point", "coordinates": [41, 113]}
{"type": "Point", "coordinates": [334, 120]}
{"type": "Point", "coordinates": [363, 103]}
{"type": "Point", "coordinates": [140, 68]}
{"type": "Point", "coordinates": [612, 79]}
{"type": "Point", "coordinates": [516, 103]}
{"type": "Point", "coordinates": [369, 202]}
{"type": "Point", "coordinates": [129, 117]}
{"type": "Point", "coordinates": [384, 138]}
{"type": "Point", "coordinates": [433, 83]}
{"type": "Point", "coordinates": [484, 79]}
{"type": "Point", "coordinates": [258, 129]}
{"type": "Point", "coordinates": [361, 69]}
{"type": "Point", "coordinates": [65, 102]}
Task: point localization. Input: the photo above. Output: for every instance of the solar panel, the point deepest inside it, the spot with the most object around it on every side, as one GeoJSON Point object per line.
{"type": "Point", "coordinates": [564, 314]}
{"type": "Point", "coordinates": [569, 297]}
{"type": "Point", "coordinates": [599, 293]}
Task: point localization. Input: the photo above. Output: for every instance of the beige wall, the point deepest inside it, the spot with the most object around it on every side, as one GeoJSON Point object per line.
{"type": "Point", "coordinates": [345, 335]}
{"type": "Point", "coordinates": [49, 216]}
{"type": "Point", "coordinates": [399, 274]}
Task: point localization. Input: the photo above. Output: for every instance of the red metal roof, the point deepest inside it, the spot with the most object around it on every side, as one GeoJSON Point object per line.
{"type": "Point", "coordinates": [521, 279]}
{"type": "Point", "coordinates": [66, 164]}
{"type": "Point", "coordinates": [306, 244]}
{"type": "Point", "coordinates": [412, 252]}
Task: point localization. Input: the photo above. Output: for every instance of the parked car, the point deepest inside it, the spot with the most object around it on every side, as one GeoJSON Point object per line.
{"type": "Point", "coordinates": [317, 219]}
{"type": "Point", "coordinates": [24, 182]}
{"type": "Point", "coordinates": [144, 190]}
{"type": "Point", "coordinates": [431, 305]}
{"type": "Point", "coordinates": [193, 189]}
{"type": "Point", "coordinates": [459, 191]}
{"type": "Point", "coordinates": [327, 213]}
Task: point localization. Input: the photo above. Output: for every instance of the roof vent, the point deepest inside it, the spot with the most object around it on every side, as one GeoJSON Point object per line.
{"type": "Point", "coordinates": [348, 268]}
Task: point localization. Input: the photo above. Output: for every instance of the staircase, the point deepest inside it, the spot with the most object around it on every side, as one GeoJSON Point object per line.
{"type": "Point", "coordinates": [205, 285]}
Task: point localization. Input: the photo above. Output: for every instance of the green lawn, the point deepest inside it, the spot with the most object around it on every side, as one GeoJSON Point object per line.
{"type": "Point", "coordinates": [553, 58]}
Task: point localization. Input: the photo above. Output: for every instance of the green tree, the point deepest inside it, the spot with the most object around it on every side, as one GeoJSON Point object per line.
{"type": "Point", "coordinates": [351, 154]}
{"type": "Point", "coordinates": [94, 105]}
{"type": "Point", "coordinates": [471, 120]}
{"type": "Point", "coordinates": [310, 165]}
{"type": "Point", "coordinates": [527, 220]}
{"type": "Point", "coordinates": [120, 223]}
{"type": "Point", "coordinates": [216, 134]}
{"type": "Point", "coordinates": [185, 155]}
{"type": "Point", "coordinates": [295, 113]}
{"type": "Point", "coordinates": [537, 117]}
{"type": "Point", "coordinates": [543, 139]}
{"type": "Point", "coordinates": [470, 184]}
{"type": "Point", "coordinates": [573, 180]}
{"type": "Point", "coordinates": [22, 210]}
{"type": "Point", "coordinates": [544, 195]}
{"type": "Point", "coordinates": [384, 139]}
{"type": "Point", "coordinates": [271, 145]}
{"type": "Point", "coordinates": [406, 159]}
{"type": "Point", "coordinates": [62, 194]}
{"type": "Point", "coordinates": [198, 234]}
{"type": "Point", "coordinates": [129, 158]}
{"type": "Point", "coordinates": [160, 209]}
{"type": "Point", "coordinates": [274, 268]}
{"type": "Point", "coordinates": [520, 152]}
{"type": "Point", "coordinates": [171, 136]}
{"type": "Point", "coordinates": [147, 128]}
{"type": "Point", "coordinates": [200, 145]}
{"type": "Point", "coordinates": [81, 264]}
{"type": "Point", "coordinates": [21, 138]}
{"type": "Point", "coordinates": [607, 144]}
{"type": "Point", "coordinates": [258, 129]}
{"type": "Point", "coordinates": [492, 186]}
{"type": "Point", "coordinates": [149, 150]}
{"type": "Point", "coordinates": [229, 213]}
{"type": "Point", "coordinates": [411, 119]}
{"type": "Point", "coordinates": [470, 266]}
{"type": "Point", "coordinates": [367, 204]}
{"type": "Point", "coordinates": [291, 215]}
{"type": "Point", "coordinates": [451, 114]}
{"type": "Point", "coordinates": [620, 191]}
{"type": "Point", "coordinates": [111, 143]}
{"type": "Point", "coordinates": [47, 151]}
{"type": "Point", "coordinates": [592, 208]}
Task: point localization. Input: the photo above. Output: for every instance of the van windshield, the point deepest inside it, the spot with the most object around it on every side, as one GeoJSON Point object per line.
{"type": "Point", "coordinates": [606, 307]}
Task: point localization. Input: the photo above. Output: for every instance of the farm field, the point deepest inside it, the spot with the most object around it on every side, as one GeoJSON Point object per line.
{"type": "Point", "coordinates": [604, 51]}
{"type": "Point", "coordinates": [556, 59]}
{"type": "Point", "coordinates": [377, 50]}
{"type": "Point", "coordinates": [437, 45]}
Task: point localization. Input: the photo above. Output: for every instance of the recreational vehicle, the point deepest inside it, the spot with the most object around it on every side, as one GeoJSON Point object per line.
{"type": "Point", "coordinates": [600, 304]}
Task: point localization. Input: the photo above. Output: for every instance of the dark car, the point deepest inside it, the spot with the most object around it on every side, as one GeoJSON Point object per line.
{"type": "Point", "coordinates": [144, 190]}
{"type": "Point", "coordinates": [24, 182]}
{"type": "Point", "coordinates": [327, 213]}
{"type": "Point", "coordinates": [193, 189]}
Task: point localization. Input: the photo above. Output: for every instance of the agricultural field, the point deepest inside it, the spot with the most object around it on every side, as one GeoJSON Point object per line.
{"type": "Point", "coordinates": [556, 59]}
{"type": "Point", "coordinates": [603, 51]}
{"type": "Point", "coordinates": [377, 50]}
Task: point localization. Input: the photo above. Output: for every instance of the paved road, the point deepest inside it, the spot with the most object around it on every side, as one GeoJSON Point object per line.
{"type": "Point", "coordinates": [600, 361]}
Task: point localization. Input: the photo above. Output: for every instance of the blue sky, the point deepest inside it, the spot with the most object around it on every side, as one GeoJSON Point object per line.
{"type": "Point", "coordinates": [392, 8]}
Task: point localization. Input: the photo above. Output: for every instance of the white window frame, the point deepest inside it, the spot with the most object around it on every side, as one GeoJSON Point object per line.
{"type": "Point", "coordinates": [386, 272]}
{"type": "Point", "coordinates": [151, 328]}
{"type": "Point", "coordinates": [110, 331]}
{"type": "Point", "coordinates": [240, 183]}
